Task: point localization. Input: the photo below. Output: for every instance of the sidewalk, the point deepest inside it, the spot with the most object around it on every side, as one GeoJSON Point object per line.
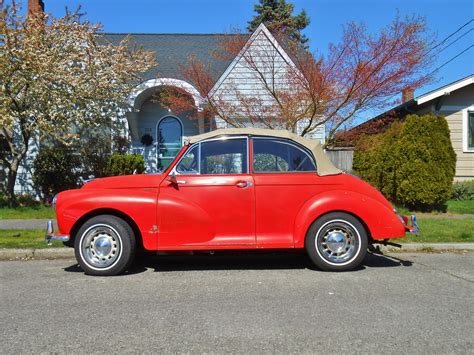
{"type": "Point", "coordinates": [66, 253]}
{"type": "Point", "coordinates": [25, 224]}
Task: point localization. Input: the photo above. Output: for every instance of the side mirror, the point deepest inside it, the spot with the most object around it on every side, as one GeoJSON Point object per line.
{"type": "Point", "coordinates": [172, 178]}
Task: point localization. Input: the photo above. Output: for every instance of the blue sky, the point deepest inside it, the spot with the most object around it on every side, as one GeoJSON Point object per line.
{"type": "Point", "coordinates": [327, 17]}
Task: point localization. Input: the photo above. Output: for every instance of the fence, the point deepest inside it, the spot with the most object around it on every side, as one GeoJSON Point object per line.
{"type": "Point", "coordinates": [341, 157]}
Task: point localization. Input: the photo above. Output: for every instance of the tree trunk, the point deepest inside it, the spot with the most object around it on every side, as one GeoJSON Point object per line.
{"type": "Point", "coordinates": [12, 174]}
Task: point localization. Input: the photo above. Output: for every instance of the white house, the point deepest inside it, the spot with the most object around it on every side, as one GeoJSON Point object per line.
{"type": "Point", "coordinates": [168, 130]}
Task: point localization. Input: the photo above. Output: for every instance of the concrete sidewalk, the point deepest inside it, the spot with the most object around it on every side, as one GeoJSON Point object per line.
{"type": "Point", "coordinates": [63, 253]}
{"type": "Point", "coordinates": [17, 224]}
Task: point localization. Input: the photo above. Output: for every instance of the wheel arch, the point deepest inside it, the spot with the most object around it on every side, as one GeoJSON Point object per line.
{"type": "Point", "coordinates": [378, 220]}
{"type": "Point", "coordinates": [106, 211]}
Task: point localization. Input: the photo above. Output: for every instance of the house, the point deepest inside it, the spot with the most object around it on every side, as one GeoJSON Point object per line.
{"type": "Point", "coordinates": [454, 101]}
{"type": "Point", "coordinates": [155, 131]}
{"type": "Point", "coordinates": [167, 129]}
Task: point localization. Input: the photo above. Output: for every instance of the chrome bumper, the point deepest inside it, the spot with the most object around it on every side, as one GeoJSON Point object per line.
{"type": "Point", "coordinates": [414, 226]}
{"type": "Point", "coordinates": [51, 236]}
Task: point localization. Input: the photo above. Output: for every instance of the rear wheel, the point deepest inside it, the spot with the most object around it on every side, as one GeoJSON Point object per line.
{"type": "Point", "coordinates": [104, 246]}
{"type": "Point", "coordinates": [336, 242]}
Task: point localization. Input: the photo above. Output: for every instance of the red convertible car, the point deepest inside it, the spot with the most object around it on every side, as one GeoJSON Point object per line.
{"type": "Point", "coordinates": [230, 189]}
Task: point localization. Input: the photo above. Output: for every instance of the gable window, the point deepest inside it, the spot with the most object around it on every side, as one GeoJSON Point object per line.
{"type": "Point", "coordinates": [280, 156]}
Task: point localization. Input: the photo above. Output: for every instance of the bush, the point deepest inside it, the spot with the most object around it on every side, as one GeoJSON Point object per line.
{"type": "Point", "coordinates": [55, 169]}
{"type": "Point", "coordinates": [412, 163]}
{"type": "Point", "coordinates": [125, 164]}
{"type": "Point", "coordinates": [463, 191]}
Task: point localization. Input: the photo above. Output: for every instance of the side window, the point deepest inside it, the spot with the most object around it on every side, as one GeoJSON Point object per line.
{"type": "Point", "coordinates": [224, 156]}
{"type": "Point", "coordinates": [190, 162]}
{"type": "Point", "coordinates": [280, 156]}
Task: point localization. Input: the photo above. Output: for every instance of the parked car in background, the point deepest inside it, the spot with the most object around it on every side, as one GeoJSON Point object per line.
{"type": "Point", "coordinates": [229, 189]}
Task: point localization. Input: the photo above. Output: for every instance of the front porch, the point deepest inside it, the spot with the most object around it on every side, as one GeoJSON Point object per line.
{"type": "Point", "coordinates": [155, 131]}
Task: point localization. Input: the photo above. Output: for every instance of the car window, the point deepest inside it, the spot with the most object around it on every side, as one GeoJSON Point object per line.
{"type": "Point", "coordinates": [280, 156]}
{"type": "Point", "coordinates": [189, 164]}
{"type": "Point", "coordinates": [224, 156]}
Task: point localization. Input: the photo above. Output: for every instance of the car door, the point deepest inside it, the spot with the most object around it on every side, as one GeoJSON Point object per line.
{"type": "Point", "coordinates": [285, 178]}
{"type": "Point", "coordinates": [210, 201]}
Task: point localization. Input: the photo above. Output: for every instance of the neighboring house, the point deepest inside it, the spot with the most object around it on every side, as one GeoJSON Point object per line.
{"type": "Point", "coordinates": [454, 101]}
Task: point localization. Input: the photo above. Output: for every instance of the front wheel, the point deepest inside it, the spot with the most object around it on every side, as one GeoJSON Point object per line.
{"type": "Point", "coordinates": [104, 246]}
{"type": "Point", "coordinates": [336, 242]}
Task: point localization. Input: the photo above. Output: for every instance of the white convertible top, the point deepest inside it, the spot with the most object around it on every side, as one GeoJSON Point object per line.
{"type": "Point", "coordinates": [323, 164]}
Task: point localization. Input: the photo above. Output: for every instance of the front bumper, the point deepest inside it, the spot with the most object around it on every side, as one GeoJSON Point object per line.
{"type": "Point", "coordinates": [50, 235]}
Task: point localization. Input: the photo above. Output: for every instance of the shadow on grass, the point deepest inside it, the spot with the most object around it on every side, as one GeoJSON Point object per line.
{"type": "Point", "coordinates": [241, 261]}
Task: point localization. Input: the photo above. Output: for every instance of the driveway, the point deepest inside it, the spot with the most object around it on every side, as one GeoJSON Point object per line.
{"type": "Point", "coordinates": [411, 303]}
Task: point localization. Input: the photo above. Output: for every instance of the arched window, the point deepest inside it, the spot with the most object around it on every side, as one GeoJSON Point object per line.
{"type": "Point", "coordinates": [170, 137]}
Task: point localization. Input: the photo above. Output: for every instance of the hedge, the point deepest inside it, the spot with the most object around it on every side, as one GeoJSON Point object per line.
{"type": "Point", "coordinates": [412, 163]}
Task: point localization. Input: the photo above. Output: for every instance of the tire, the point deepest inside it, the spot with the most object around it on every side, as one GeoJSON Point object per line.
{"type": "Point", "coordinates": [104, 246]}
{"type": "Point", "coordinates": [336, 241]}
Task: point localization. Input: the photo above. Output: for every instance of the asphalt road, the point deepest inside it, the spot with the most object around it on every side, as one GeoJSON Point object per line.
{"type": "Point", "coordinates": [417, 303]}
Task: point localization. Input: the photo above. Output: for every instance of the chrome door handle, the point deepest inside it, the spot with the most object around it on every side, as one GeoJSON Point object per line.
{"type": "Point", "coordinates": [181, 182]}
{"type": "Point", "coordinates": [243, 184]}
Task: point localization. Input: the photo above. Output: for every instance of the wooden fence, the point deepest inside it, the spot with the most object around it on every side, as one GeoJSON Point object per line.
{"type": "Point", "coordinates": [341, 157]}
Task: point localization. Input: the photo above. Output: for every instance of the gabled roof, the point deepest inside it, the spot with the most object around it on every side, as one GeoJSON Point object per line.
{"type": "Point", "coordinates": [260, 29]}
{"type": "Point", "coordinates": [382, 121]}
{"type": "Point", "coordinates": [445, 90]}
{"type": "Point", "coordinates": [172, 49]}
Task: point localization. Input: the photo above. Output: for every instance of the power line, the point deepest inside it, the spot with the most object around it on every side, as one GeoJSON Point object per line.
{"type": "Point", "coordinates": [452, 34]}
{"type": "Point", "coordinates": [450, 60]}
{"type": "Point", "coordinates": [457, 39]}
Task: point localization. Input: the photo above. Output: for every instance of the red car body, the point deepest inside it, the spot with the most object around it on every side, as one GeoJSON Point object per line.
{"type": "Point", "coordinates": [230, 211]}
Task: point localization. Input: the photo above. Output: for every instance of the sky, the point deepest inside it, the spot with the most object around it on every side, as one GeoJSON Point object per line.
{"type": "Point", "coordinates": [443, 17]}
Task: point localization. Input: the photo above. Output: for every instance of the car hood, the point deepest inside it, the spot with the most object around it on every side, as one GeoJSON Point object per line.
{"type": "Point", "coordinates": [126, 182]}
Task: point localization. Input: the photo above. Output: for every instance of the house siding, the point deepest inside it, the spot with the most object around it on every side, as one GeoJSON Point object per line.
{"type": "Point", "coordinates": [451, 107]}
{"type": "Point", "coordinates": [243, 80]}
{"type": "Point", "coordinates": [464, 160]}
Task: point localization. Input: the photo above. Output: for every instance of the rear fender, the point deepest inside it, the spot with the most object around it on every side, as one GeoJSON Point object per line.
{"type": "Point", "coordinates": [381, 222]}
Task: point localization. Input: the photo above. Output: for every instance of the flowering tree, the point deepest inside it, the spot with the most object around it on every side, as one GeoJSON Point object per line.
{"type": "Point", "coordinates": [360, 73]}
{"type": "Point", "coordinates": [55, 77]}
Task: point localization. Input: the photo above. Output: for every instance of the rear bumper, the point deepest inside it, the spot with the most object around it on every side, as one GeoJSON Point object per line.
{"type": "Point", "coordinates": [413, 228]}
{"type": "Point", "coordinates": [50, 235]}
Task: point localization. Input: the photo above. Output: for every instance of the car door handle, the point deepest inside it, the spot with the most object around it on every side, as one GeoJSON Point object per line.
{"type": "Point", "coordinates": [243, 184]}
{"type": "Point", "coordinates": [181, 182]}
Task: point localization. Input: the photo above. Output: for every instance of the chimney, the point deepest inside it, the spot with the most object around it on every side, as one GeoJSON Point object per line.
{"type": "Point", "coordinates": [407, 94]}
{"type": "Point", "coordinates": [35, 6]}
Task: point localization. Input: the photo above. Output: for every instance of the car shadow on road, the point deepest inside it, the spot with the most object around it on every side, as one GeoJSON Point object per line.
{"type": "Point", "coordinates": [242, 261]}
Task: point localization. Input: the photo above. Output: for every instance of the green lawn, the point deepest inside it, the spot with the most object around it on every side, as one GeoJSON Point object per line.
{"type": "Point", "coordinates": [454, 207]}
{"type": "Point", "coordinates": [35, 212]}
{"type": "Point", "coordinates": [461, 207]}
{"type": "Point", "coordinates": [25, 239]}
{"type": "Point", "coordinates": [442, 231]}
{"type": "Point", "coordinates": [432, 231]}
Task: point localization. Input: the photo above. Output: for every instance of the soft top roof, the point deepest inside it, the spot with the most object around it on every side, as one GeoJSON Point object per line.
{"type": "Point", "coordinates": [324, 165]}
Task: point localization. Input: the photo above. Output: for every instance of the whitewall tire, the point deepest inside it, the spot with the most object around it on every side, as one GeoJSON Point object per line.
{"type": "Point", "coordinates": [336, 241]}
{"type": "Point", "coordinates": [104, 246]}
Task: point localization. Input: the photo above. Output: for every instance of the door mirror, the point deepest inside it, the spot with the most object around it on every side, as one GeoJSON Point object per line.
{"type": "Point", "coordinates": [172, 178]}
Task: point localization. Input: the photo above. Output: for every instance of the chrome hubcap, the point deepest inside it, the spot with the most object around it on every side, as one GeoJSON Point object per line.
{"type": "Point", "coordinates": [337, 241]}
{"type": "Point", "coordinates": [100, 246]}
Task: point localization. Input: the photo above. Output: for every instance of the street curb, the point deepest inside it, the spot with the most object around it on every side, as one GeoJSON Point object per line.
{"type": "Point", "coordinates": [43, 254]}
{"type": "Point", "coordinates": [67, 253]}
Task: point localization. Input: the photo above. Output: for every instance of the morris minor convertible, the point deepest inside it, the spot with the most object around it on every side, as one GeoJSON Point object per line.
{"type": "Point", "coordinates": [229, 189]}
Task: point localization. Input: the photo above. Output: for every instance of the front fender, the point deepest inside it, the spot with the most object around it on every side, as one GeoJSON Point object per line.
{"type": "Point", "coordinates": [138, 204]}
{"type": "Point", "coordinates": [380, 220]}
